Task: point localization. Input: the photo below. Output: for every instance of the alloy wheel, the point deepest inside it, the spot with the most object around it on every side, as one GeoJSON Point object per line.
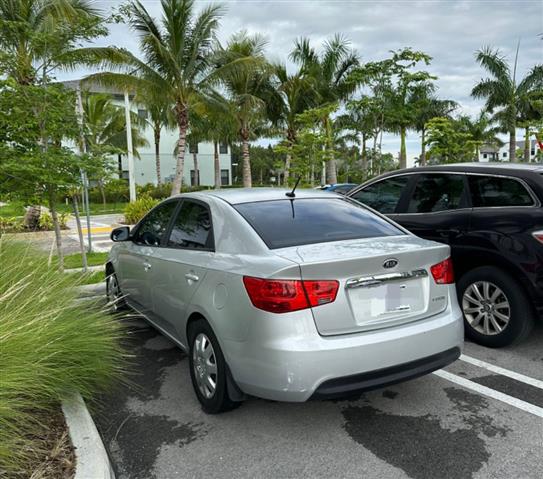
{"type": "Point", "coordinates": [204, 363]}
{"type": "Point", "coordinates": [113, 291]}
{"type": "Point", "coordinates": [486, 308]}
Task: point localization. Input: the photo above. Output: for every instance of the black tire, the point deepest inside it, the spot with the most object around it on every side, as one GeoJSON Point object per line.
{"type": "Point", "coordinates": [115, 301]}
{"type": "Point", "coordinates": [219, 401]}
{"type": "Point", "coordinates": [521, 315]}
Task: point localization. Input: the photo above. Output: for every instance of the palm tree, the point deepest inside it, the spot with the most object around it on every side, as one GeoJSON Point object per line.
{"type": "Point", "coordinates": [503, 92]}
{"type": "Point", "coordinates": [160, 115]}
{"type": "Point", "coordinates": [360, 121]}
{"type": "Point", "coordinates": [295, 93]}
{"type": "Point", "coordinates": [39, 36]}
{"type": "Point", "coordinates": [176, 63]}
{"type": "Point", "coordinates": [482, 131]}
{"type": "Point", "coordinates": [330, 71]}
{"type": "Point", "coordinates": [426, 106]}
{"type": "Point", "coordinates": [246, 77]}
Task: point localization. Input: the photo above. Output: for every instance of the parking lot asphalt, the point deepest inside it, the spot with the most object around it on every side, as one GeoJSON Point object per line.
{"type": "Point", "coordinates": [481, 417]}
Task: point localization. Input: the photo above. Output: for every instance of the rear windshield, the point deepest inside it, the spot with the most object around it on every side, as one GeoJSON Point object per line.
{"type": "Point", "coordinates": [284, 223]}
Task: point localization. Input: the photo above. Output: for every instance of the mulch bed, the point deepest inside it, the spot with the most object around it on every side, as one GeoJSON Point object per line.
{"type": "Point", "coordinates": [52, 455]}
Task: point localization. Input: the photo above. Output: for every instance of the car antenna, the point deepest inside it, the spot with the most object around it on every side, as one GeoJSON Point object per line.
{"type": "Point", "coordinates": [291, 194]}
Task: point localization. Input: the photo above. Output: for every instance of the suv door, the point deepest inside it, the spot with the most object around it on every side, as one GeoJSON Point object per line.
{"type": "Point", "coordinates": [437, 208]}
{"type": "Point", "coordinates": [135, 261]}
{"type": "Point", "coordinates": [384, 195]}
{"type": "Point", "coordinates": [182, 264]}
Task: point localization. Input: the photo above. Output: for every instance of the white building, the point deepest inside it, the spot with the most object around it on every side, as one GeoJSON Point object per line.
{"type": "Point", "coordinates": [145, 165]}
{"type": "Point", "coordinates": [492, 153]}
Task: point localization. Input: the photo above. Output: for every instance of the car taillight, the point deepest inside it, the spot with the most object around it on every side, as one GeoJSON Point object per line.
{"type": "Point", "coordinates": [538, 235]}
{"type": "Point", "coordinates": [443, 272]}
{"type": "Point", "coordinates": [285, 295]}
{"type": "Point", "coordinates": [320, 292]}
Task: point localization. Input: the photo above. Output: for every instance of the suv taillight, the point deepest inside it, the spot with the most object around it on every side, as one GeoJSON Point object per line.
{"type": "Point", "coordinates": [538, 235]}
{"type": "Point", "coordinates": [443, 272]}
{"type": "Point", "coordinates": [286, 295]}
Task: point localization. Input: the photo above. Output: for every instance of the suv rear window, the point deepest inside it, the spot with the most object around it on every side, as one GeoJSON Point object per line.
{"type": "Point", "coordinates": [489, 191]}
{"type": "Point", "coordinates": [284, 223]}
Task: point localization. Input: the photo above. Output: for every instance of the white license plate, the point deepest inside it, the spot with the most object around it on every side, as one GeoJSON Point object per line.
{"type": "Point", "coordinates": [388, 300]}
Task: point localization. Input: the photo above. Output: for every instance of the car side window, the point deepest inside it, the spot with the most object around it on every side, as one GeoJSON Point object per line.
{"type": "Point", "coordinates": [153, 227]}
{"type": "Point", "coordinates": [192, 227]}
{"type": "Point", "coordinates": [384, 195]}
{"type": "Point", "coordinates": [436, 192]}
{"type": "Point", "coordinates": [489, 191]}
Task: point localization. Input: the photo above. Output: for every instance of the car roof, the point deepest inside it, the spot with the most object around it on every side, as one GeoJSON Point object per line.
{"type": "Point", "coordinates": [487, 167]}
{"type": "Point", "coordinates": [247, 195]}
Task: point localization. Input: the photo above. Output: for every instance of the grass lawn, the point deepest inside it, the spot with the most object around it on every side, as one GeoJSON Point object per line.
{"type": "Point", "coordinates": [92, 278]}
{"type": "Point", "coordinates": [16, 208]}
{"type": "Point", "coordinates": [93, 259]}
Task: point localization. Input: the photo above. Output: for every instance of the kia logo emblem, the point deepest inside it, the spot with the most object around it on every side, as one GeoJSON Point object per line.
{"type": "Point", "coordinates": [390, 263]}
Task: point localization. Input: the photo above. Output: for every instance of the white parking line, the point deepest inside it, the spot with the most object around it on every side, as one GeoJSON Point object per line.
{"type": "Point", "coordinates": [485, 391]}
{"type": "Point", "coordinates": [504, 372]}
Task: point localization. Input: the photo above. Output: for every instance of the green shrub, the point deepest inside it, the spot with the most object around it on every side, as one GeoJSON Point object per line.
{"type": "Point", "coordinates": [115, 191]}
{"type": "Point", "coordinates": [46, 220]}
{"type": "Point", "coordinates": [11, 225]}
{"type": "Point", "coordinates": [50, 346]}
{"type": "Point", "coordinates": [135, 211]}
{"type": "Point", "coordinates": [154, 191]}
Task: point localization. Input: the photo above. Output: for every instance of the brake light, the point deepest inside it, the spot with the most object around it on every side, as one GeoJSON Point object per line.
{"type": "Point", "coordinates": [443, 272]}
{"type": "Point", "coordinates": [284, 296]}
{"type": "Point", "coordinates": [320, 292]}
{"type": "Point", "coordinates": [538, 235]}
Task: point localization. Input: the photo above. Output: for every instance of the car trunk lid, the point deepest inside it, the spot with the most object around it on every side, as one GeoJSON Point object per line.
{"type": "Point", "coordinates": [383, 281]}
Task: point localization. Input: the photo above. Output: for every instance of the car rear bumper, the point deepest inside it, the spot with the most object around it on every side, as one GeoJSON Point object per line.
{"type": "Point", "coordinates": [295, 363]}
{"type": "Point", "coordinates": [338, 387]}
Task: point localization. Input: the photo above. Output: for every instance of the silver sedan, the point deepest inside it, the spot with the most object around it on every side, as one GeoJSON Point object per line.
{"type": "Point", "coordinates": [287, 297]}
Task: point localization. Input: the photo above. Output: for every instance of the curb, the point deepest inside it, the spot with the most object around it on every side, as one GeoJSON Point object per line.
{"type": "Point", "coordinates": [90, 269]}
{"type": "Point", "coordinates": [91, 290]}
{"type": "Point", "coordinates": [92, 461]}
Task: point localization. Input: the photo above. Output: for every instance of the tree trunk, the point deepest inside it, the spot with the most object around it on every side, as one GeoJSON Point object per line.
{"type": "Point", "coordinates": [331, 171]}
{"type": "Point", "coordinates": [422, 160]}
{"type": "Point", "coordinates": [247, 181]}
{"type": "Point", "coordinates": [80, 233]}
{"type": "Point", "coordinates": [363, 156]}
{"type": "Point", "coordinates": [477, 152]}
{"type": "Point", "coordinates": [216, 165]}
{"type": "Point", "coordinates": [56, 226]}
{"type": "Point", "coordinates": [196, 169]}
{"type": "Point", "coordinates": [403, 153]}
{"type": "Point", "coordinates": [102, 192]}
{"type": "Point", "coordinates": [527, 144]}
{"type": "Point", "coordinates": [182, 115]}
{"type": "Point", "coordinates": [290, 141]}
{"type": "Point", "coordinates": [512, 145]}
{"type": "Point", "coordinates": [157, 155]}
{"type": "Point", "coordinates": [287, 169]}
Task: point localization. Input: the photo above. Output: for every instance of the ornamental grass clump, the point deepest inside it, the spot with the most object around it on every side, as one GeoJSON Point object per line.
{"type": "Point", "coordinates": [51, 345]}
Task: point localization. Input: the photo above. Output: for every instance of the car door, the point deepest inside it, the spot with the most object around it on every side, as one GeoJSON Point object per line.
{"type": "Point", "coordinates": [135, 263]}
{"type": "Point", "coordinates": [384, 195]}
{"type": "Point", "coordinates": [437, 208]}
{"type": "Point", "coordinates": [181, 264]}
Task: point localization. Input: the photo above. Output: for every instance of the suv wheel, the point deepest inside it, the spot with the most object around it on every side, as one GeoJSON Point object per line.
{"type": "Point", "coordinates": [208, 369]}
{"type": "Point", "coordinates": [115, 298]}
{"type": "Point", "coordinates": [496, 309]}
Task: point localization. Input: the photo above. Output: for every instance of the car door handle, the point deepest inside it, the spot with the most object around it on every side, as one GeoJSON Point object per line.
{"type": "Point", "coordinates": [192, 277]}
{"type": "Point", "coordinates": [146, 266]}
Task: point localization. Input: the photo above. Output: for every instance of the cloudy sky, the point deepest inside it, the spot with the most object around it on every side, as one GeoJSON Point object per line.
{"type": "Point", "coordinates": [450, 31]}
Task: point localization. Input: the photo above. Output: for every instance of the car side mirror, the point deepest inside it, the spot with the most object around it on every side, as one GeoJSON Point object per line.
{"type": "Point", "coordinates": [120, 234]}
